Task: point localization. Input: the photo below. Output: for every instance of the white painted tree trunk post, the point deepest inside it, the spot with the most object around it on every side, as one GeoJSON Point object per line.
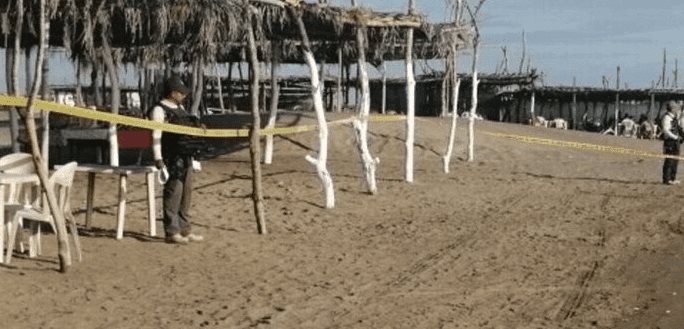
{"type": "Point", "coordinates": [360, 123]}
{"type": "Point", "coordinates": [273, 116]}
{"type": "Point", "coordinates": [410, 100]}
{"type": "Point", "coordinates": [27, 69]}
{"type": "Point", "coordinates": [108, 58]}
{"type": "Point", "coordinates": [255, 139]}
{"type": "Point", "coordinates": [476, 82]}
{"type": "Point", "coordinates": [456, 87]}
{"type": "Point", "coordinates": [198, 85]}
{"type": "Point", "coordinates": [574, 111]}
{"type": "Point", "coordinates": [338, 107]}
{"type": "Point", "coordinates": [454, 121]}
{"type": "Point", "coordinates": [45, 115]}
{"type": "Point", "coordinates": [384, 88]}
{"type": "Point", "coordinates": [321, 161]}
{"type": "Point", "coordinates": [79, 84]}
{"type": "Point", "coordinates": [62, 244]}
{"type": "Point", "coordinates": [471, 120]}
{"type": "Point", "coordinates": [219, 87]}
{"type": "Point", "coordinates": [14, 115]}
{"type": "Point", "coordinates": [617, 103]}
{"type": "Point", "coordinates": [533, 116]}
{"type": "Point", "coordinates": [444, 95]}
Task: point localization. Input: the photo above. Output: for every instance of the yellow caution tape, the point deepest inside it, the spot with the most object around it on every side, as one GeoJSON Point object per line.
{"type": "Point", "coordinates": [85, 113]}
{"type": "Point", "coordinates": [583, 146]}
{"type": "Point", "coordinates": [13, 101]}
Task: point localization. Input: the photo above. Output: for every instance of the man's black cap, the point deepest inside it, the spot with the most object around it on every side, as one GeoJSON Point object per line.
{"type": "Point", "coordinates": [174, 83]}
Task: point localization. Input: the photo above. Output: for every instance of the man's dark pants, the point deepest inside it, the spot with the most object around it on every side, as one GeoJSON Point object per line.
{"type": "Point", "coordinates": [178, 196]}
{"type": "Point", "coordinates": [670, 147]}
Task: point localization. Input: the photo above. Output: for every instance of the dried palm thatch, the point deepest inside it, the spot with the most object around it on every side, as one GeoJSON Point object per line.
{"type": "Point", "coordinates": [171, 31]}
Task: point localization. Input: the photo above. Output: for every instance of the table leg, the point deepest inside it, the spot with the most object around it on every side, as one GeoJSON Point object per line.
{"type": "Point", "coordinates": [121, 213]}
{"type": "Point", "coordinates": [89, 199]}
{"type": "Point", "coordinates": [2, 223]}
{"type": "Point", "coordinates": [151, 207]}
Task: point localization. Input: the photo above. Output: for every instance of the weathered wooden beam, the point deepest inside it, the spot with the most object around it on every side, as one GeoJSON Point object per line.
{"type": "Point", "coordinates": [360, 123]}
{"type": "Point", "coordinates": [410, 101]}
{"type": "Point", "coordinates": [58, 216]}
{"type": "Point", "coordinates": [321, 161]}
{"type": "Point", "coordinates": [254, 139]}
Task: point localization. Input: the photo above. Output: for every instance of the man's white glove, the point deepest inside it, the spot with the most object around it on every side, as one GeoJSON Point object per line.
{"type": "Point", "coordinates": [163, 176]}
{"type": "Point", "coordinates": [196, 165]}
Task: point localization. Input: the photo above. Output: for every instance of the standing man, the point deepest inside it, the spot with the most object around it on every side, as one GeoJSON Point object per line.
{"type": "Point", "coordinates": [169, 153]}
{"type": "Point", "coordinates": [671, 142]}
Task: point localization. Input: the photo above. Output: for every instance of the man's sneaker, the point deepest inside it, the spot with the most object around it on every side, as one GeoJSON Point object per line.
{"type": "Point", "coordinates": [177, 238]}
{"type": "Point", "coordinates": [673, 182]}
{"type": "Point", "coordinates": [194, 237]}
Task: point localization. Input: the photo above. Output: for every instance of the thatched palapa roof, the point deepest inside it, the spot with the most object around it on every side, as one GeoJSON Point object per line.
{"type": "Point", "coordinates": [156, 31]}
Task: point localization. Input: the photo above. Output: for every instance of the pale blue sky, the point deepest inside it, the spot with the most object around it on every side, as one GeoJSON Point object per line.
{"type": "Point", "coordinates": [586, 39]}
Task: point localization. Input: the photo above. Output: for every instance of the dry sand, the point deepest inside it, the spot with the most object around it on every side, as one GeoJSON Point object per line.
{"type": "Point", "coordinates": [527, 236]}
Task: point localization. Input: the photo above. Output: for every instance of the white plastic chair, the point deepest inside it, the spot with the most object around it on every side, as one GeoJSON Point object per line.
{"type": "Point", "coordinates": [60, 182]}
{"type": "Point", "coordinates": [15, 163]}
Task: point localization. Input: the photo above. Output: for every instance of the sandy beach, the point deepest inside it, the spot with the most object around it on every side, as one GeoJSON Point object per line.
{"type": "Point", "coordinates": [526, 236]}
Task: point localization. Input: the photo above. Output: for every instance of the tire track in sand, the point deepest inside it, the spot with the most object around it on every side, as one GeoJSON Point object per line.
{"type": "Point", "coordinates": [577, 297]}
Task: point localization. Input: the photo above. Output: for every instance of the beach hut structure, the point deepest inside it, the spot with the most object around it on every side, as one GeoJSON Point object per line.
{"type": "Point", "coordinates": [159, 37]}
{"type": "Point", "coordinates": [584, 108]}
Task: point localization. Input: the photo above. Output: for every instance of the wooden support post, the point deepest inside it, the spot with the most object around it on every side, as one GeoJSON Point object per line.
{"type": "Point", "coordinates": [533, 116]}
{"type": "Point", "coordinates": [346, 85]}
{"type": "Point", "coordinates": [273, 116]}
{"type": "Point", "coordinates": [651, 104]}
{"type": "Point", "coordinates": [27, 68]}
{"type": "Point", "coordinates": [45, 115]}
{"type": "Point", "coordinates": [89, 200]}
{"type": "Point", "coordinates": [339, 79]}
{"type": "Point", "coordinates": [574, 104]}
{"type": "Point", "coordinates": [231, 93]}
{"type": "Point", "coordinates": [574, 111]}
{"type": "Point", "coordinates": [410, 100]}
{"type": "Point", "coordinates": [360, 123]}
{"type": "Point", "coordinates": [95, 76]}
{"type": "Point", "coordinates": [151, 207]}
{"type": "Point", "coordinates": [357, 94]}
{"type": "Point", "coordinates": [242, 79]}
{"type": "Point", "coordinates": [383, 109]}
{"type": "Point", "coordinates": [219, 88]}
{"type": "Point", "coordinates": [444, 101]}
{"type": "Point", "coordinates": [254, 140]}
{"type": "Point", "coordinates": [321, 161]}
{"type": "Point", "coordinates": [456, 87]}
{"type": "Point", "coordinates": [473, 108]}
{"type": "Point", "coordinates": [617, 102]}
{"type": "Point", "coordinates": [14, 81]}
{"type": "Point", "coordinates": [107, 56]}
{"type": "Point", "coordinates": [454, 120]}
{"type": "Point", "coordinates": [79, 86]}
{"type": "Point", "coordinates": [121, 209]}
{"type": "Point", "coordinates": [198, 85]}
{"type": "Point", "coordinates": [62, 244]}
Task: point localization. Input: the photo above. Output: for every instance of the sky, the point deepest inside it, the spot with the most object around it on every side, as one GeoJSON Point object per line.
{"type": "Point", "coordinates": [579, 39]}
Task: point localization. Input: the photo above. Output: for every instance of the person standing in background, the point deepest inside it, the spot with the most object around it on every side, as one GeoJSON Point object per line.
{"type": "Point", "coordinates": [671, 142]}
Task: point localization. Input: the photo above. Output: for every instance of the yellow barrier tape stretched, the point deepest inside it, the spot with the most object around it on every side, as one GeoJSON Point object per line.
{"type": "Point", "coordinates": [582, 146]}
{"type": "Point", "coordinates": [80, 112]}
